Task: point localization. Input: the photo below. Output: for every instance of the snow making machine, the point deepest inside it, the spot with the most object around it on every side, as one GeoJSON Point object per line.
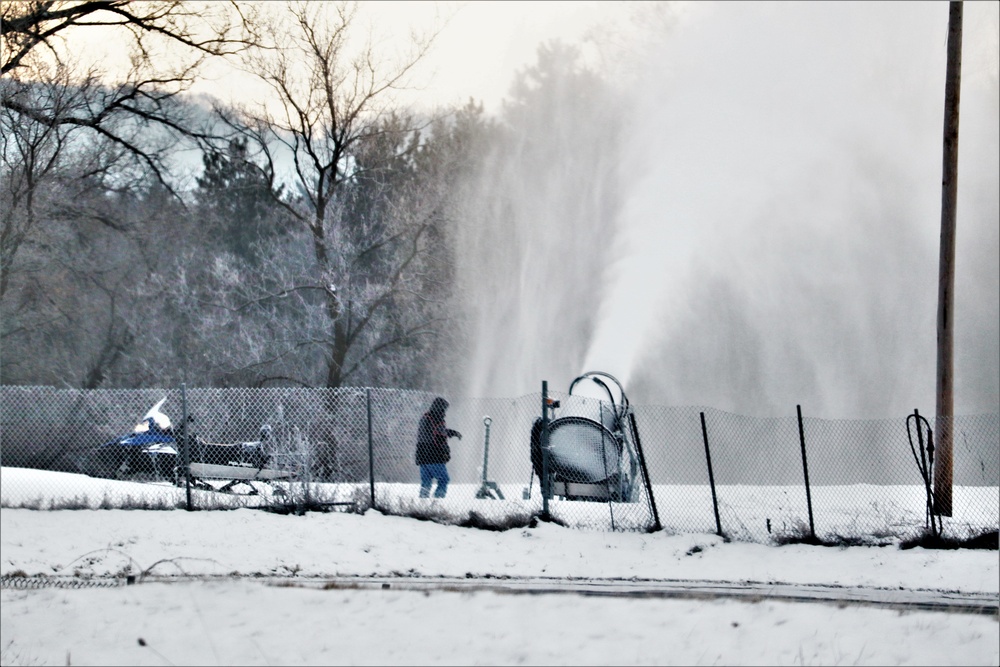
{"type": "Point", "coordinates": [588, 443]}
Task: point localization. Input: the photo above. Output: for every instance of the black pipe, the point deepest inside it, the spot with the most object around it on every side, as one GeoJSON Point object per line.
{"type": "Point", "coordinates": [930, 471]}
{"type": "Point", "coordinates": [925, 462]}
{"type": "Point", "coordinates": [645, 471]}
{"type": "Point", "coordinates": [371, 448]}
{"type": "Point", "coordinates": [805, 469]}
{"type": "Point", "coordinates": [711, 477]}
{"type": "Point", "coordinates": [186, 447]}
{"type": "Point", "coordinates": [920, 443]}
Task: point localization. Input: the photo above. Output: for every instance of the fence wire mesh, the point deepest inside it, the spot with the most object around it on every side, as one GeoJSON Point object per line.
{"type": "Point", "coordinates": [693, 469]}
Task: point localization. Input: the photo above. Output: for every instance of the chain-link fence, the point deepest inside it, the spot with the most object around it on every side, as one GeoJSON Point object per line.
{"type": "Point", "coordinates": [683, 469]}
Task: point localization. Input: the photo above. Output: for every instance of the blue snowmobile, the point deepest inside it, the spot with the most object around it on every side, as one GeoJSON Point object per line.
{"type": "Point", "coordinates": [153, 452]}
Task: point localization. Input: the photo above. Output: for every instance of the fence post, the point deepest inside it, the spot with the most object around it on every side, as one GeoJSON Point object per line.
{"type": "Point", "coordinates": [543, 441]}
{"type": "Point", "coordinates": [711, 476]}
{"type": "Point", "coordinates": [645, 471]}
{"type": "Point", "coordinates": [371, 448]}
{"type": "Point", "coordinates": [186, 446]}
{"type": "Point", "coordinates": [805, 469]}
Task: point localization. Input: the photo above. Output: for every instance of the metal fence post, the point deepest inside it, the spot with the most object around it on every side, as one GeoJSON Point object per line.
{"type": "Point", "coordinates": [186, 446]}
{"type": "Point", "coordinates": [645, 471]}
{"type": "Point", "coordinates": [711, 476]}
{"type": "Point", "coordinates": [543, 438]}
{"type": "Point", "coordinates": [371, 449]}
{"type": "Point", "coordinates": [805, 469]}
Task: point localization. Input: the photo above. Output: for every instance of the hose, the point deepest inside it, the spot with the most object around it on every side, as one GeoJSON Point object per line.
{"type": "Point", "coordinates": [925, 463]}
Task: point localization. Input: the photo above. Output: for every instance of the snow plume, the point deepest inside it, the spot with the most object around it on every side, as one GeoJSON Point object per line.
{"type": "Point", "coordinates": [537, 227]}
{"type": "Point", "coordinates": [763, 232]}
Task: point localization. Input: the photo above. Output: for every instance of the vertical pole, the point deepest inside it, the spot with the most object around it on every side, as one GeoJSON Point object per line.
{"type": "Point", "coordinates": [486, 447]}
{"type": "Point", "coordinates": [371, 449]}
{"type": "Point", "coordinates": [805, 469]}
{"type": "Point", "coordinates": [544, 442]}
{"type": "Point", "coordinates": [946, 265]}
{"type": "Point", "coordinates": [711, 476]}
{"type": "Point", "coordinates": [645, 471]}
{"type": "Point", "coordinates": [186, 447]}
{"type": "Point", "coordinates": [607, 476]}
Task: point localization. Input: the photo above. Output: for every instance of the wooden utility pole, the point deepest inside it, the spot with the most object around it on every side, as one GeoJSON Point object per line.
{"type": "Point", "coordinates": [946, 266]}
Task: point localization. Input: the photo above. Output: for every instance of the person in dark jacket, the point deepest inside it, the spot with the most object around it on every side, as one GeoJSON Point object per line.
{"type": "Point", "coordinates": [432, 449]}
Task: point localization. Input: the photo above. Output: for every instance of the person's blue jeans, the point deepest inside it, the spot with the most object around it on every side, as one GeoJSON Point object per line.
{"type": "Point", "coordinates": [432, 471]}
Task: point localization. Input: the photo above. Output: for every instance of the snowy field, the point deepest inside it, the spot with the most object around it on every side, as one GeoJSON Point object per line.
{"type": "Point", "coordinates": [224, 607]}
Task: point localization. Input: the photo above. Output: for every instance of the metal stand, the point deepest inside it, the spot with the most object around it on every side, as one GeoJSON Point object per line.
{"type": "Point", "coordinates": [488, 489]}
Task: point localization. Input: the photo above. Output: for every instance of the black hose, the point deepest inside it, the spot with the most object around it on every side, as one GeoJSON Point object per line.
{"type": "Point", "coordinates": [925, 463]}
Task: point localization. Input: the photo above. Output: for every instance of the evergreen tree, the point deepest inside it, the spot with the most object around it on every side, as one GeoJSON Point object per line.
{"type": "Point", "coordinates": [235, 195]}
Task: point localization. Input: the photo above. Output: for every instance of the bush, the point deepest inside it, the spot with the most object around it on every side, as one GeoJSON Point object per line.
{"type": "Point", "coordinates": [929, 540]}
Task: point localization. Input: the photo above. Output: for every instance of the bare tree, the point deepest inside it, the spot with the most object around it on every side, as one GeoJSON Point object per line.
{"type": "Point", "coordinates": [332, 122]}
{"type": "Point", "coordinates": [51, 170]}
{"type": "Point", "coordinates": [71, 140]}
{"type": "Point", "coordinates": [169, 42]}
{"type": "Point", "coordinates": [202, 28]}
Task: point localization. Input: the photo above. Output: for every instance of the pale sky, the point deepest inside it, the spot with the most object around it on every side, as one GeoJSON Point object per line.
{"type": "Point", "coordinates": [477, 53]}
{"type": "Point", "coordinates": [485, 43]}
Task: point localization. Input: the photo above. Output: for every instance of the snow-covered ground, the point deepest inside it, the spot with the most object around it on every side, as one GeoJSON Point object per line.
{"type": "Point", "coordinates": [235, 617]}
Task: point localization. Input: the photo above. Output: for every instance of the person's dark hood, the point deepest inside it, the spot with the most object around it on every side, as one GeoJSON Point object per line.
{"type": "Point", "coordinates": [438, 407]}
